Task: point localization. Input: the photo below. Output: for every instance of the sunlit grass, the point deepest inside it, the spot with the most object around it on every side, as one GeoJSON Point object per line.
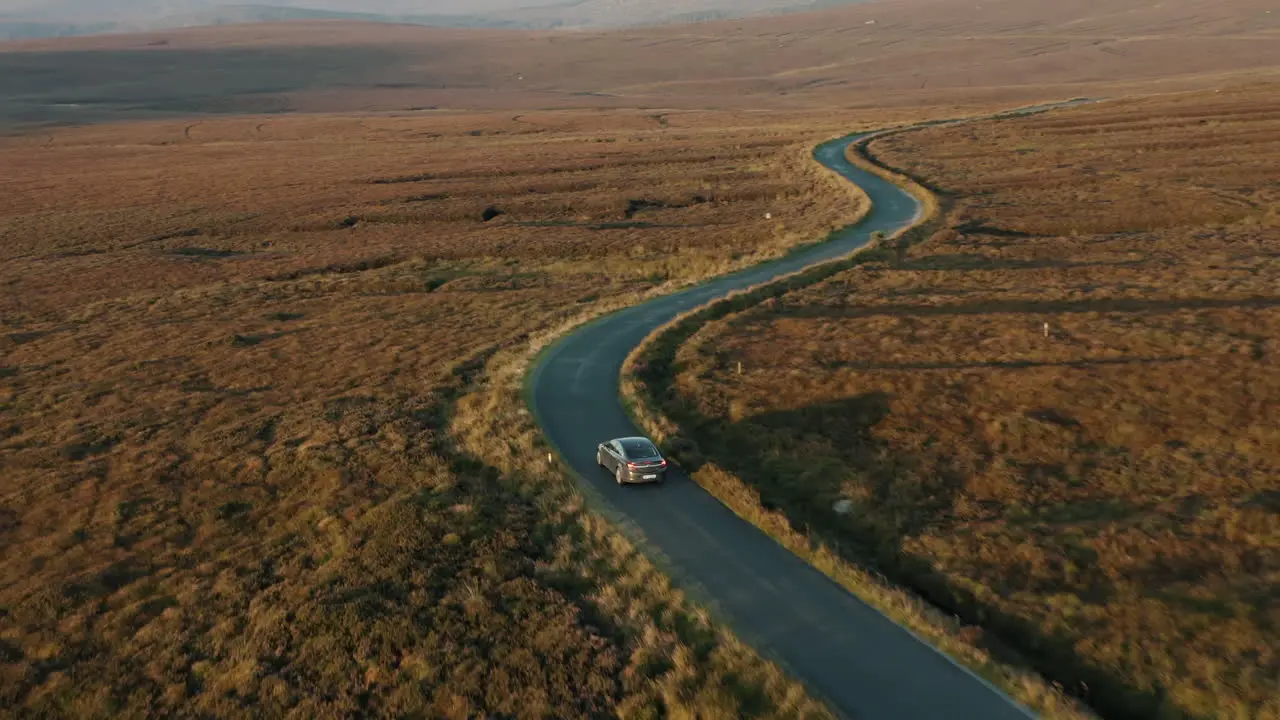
{"type": "Point", "coordinates": [1051, 418]}
{"type": "Point", "coordinates": [243, 469]}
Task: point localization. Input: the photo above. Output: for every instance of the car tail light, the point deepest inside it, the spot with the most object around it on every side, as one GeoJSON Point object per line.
{"type": "Point", "coordinates": [632, 465]}
{"type": "Point", "coordinates": [662, 464]}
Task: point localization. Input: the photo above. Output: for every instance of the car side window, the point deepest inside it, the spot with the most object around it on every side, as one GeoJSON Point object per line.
{"type": "Point", "coordinates": [616, 448]}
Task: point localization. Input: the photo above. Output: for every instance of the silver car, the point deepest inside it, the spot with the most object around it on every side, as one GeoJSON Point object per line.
{"type": "Point", "coordinates": [632, 460]}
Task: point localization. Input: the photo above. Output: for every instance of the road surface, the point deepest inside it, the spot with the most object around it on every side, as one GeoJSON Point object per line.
{"type": "Point", "coordinates": [865, 666]}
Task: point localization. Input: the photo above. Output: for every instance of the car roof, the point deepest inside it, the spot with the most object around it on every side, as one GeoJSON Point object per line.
{"type": "Point", "coordinates": [633, 437]}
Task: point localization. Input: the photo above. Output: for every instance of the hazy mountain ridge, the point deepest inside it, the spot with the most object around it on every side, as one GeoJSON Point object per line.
{"type": "Point", "coordinates": [83, 17]}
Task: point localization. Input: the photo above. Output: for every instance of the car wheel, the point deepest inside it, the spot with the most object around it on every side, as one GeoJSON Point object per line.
{"type": "Point", "coordinates": [618, 476]}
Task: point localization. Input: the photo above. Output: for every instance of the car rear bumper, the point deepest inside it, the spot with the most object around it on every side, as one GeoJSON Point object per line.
{"type": "Point", "coordinates": [637, 477]}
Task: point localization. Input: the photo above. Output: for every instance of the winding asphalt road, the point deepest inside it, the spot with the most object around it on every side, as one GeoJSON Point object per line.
{"type": "Point", "coordinates": [864, 665]}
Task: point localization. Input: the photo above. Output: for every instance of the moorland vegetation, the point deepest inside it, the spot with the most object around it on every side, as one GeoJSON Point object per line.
{"type": "Point", "coordinates": [247, 466]}
{"type": "Point", "coordinates": [1054, 416]}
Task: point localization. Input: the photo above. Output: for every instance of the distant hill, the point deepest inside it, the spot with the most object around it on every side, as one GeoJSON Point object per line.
{"type": "Point", "coordinates": [617, 14]}
{"type": "Point", "coordinates": [273, 13]}
{"type": "Point", "coordinates": [15, 29]}
{"type": "Point", "coordinates": [901, 53]}
{"type": "Point", "coordinates": [66, 18]}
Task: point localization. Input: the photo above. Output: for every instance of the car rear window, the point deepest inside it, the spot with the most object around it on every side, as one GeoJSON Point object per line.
{"type": "Point", "coordinates": [639, 448]}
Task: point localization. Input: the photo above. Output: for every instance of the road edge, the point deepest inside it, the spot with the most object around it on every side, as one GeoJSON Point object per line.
{"type": "Point", "coordinates": [547, 343]}
{"type": "Point", "coordinates": [1023, 687]}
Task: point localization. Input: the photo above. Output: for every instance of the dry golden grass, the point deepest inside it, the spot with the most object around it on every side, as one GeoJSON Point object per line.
{"type": "Point", "coordinates": [261, 444]}
{"type": "Point", "coordinates": [1101, 500]}
{"type": "Point", "coordinates": [234, 478]}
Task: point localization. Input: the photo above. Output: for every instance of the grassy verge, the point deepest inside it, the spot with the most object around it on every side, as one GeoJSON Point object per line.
{"type": "Point", "coordinates": [698, 668]}
{"type": "Point", "coordinates": [1051, 419]}
{"type": "Point", "coordinates": [652, 400]}
{"type": "Point", "coordinates": [627, 583]}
